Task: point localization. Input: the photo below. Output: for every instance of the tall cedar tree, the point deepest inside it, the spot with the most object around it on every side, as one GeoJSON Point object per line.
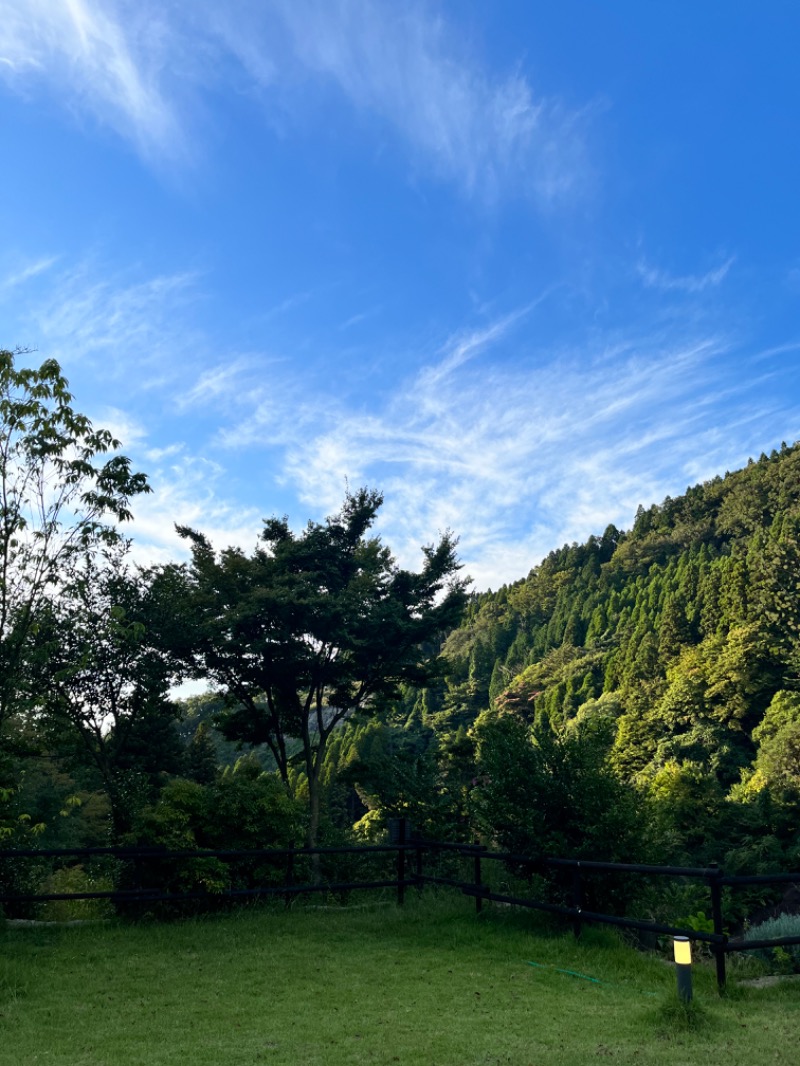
{"type": "Point", "coordinates": [313, 628]}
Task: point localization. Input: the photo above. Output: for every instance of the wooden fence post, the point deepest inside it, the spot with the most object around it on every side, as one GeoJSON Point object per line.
{"type": "Point", "coordinates": [716, 915]}
{"type": "Point", "coordinates": [577, 899]}
{"type": "Point", "coordinates": [401, 862]}
{"type": "Point", "coordinates": [289, 875]}
{"type": "Point", "coordinates": [478, 878]}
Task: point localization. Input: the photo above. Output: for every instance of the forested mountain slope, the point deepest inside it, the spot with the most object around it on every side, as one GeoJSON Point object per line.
{"type": "Point", "coordinates": [685, 629]}
{"type": "Point", "coordinates": [680, 636]}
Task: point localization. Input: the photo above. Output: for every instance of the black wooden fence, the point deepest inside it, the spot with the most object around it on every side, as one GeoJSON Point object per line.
{"type": "Point", "coordinates": [407, 850]}
{"type": "Point", "coordinates": [719, 942]}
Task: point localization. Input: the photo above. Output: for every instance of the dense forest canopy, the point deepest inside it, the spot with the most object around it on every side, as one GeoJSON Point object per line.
{"type": "Point", "coordinates": [635, 696]}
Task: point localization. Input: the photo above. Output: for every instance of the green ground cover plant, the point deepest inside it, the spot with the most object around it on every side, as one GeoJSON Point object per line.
{"type": "Point", "coordinates": [784, 959]}
{"type": "Point", "coordinates": [430, 984]}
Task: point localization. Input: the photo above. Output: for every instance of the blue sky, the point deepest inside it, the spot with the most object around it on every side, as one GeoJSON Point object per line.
{"type": "Point", "coordinates": [521, 266]}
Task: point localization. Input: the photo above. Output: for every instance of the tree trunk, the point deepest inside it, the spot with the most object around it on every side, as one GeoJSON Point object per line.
{"type": "Point", "coordinates": [313, 770]}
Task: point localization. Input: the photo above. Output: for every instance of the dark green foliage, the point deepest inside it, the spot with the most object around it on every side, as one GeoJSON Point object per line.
{"type": "Point", "coordinates": [403, 770]}
{"type": "Point", "coordinates": [17, 830]}
{"type": "Point", "coordinates": [542, 791]}
{"type": "Point", "coordinates": [242, 809]}
{"type": "Point", "coordinates": [311, 629]}
{"type": "Point", "coordinates": [202, 713]}
{"type": "Point", "coordinates": [778, 737]}
{"type": "Point", "coordinates": [108, 680]}
{"type": "Point", "coordinates": [786, 959]}
{"type": "Point", "coordinates": [201, 756]}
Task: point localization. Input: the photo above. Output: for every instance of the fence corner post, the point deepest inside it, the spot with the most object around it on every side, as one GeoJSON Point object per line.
{"type": "Point", "coordinates": [714, 883]}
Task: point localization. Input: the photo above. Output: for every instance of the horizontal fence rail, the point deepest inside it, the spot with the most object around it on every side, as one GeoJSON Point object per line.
{"type": "Point", "coordinates": [405, 846]}
{"type": "Point", "coordinates": [161, 853]}
{"type": "Point", "coordinates": [137, 860]}
{"type": "Point", "coordinates": [719, 942]}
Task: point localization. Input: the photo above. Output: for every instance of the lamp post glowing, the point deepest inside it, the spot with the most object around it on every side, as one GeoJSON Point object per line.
{"type": "Point", "coordinates": [682, 948]}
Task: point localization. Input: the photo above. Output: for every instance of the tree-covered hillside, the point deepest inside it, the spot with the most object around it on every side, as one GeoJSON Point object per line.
{"type": "Point", "coordinates": [685, 630]}
{"type": "Point", "coordinates": [677, 642]}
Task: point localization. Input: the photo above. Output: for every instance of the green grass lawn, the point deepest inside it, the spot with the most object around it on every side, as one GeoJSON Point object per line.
{"type": "Point", "coordinates": [429, 984]}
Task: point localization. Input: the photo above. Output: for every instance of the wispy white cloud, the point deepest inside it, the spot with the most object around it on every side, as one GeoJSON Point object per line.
{"type": "Point", "coordinates": [517, 446]}
{"type": "Point", "coordinates": [468, 344]}
{"type": "Point", "coordinates": [222, 383]}
{"type": "Point", "coordinates": [188, 490]}
{"type": "Point", "coordinates": [143, 69]}
{"type": "Point", "coordinates": [516, 455]}
{"type": "Point", "coordinates": [361, 316]}
{"type": "Point", "coordinates": [792, 278]}
{"type": "Point", "coordinates": [518, 460]}
{"type": "Point", "coordinates": [105, 57]}
{"type": "Point", "coordinates": [22, 274]}
{"type": "Point", "coordinates": [688, 283]}
{"type": "Point", "coordinates": [281, 308]}
{"type": "Point", "coordinates": [121, 324]}
{"type": "Point", "coordinates": [769, 354]}
{"type": "Point", "coordinates": [122, 425]}
{"type": "Point", "coordinates": [405, 66]}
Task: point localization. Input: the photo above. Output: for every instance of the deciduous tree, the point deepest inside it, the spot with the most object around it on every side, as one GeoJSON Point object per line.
{"type": "Point", "coordinates": [107, 678]}
{"type": "Point", "coordinates": [312, 628]}
{"type": "Point", "coordinates": [63, 489]}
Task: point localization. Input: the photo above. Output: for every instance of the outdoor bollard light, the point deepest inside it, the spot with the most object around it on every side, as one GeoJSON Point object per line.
{"type": "Point", "coordinates": [682, 947]}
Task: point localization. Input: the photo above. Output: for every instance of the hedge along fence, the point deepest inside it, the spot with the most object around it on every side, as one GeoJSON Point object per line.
{"type": "Point", "coordinates": [143, 873]}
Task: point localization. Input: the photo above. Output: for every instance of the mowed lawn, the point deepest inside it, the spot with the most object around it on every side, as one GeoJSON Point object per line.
{"type": "Point", "coordinates": [427, 984]}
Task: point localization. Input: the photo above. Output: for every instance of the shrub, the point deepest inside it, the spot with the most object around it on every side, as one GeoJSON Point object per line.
{"type": "Point", "coordinates": [244, 809]}
{"type": "Point", "coordinates": [784, 959]}
{"type": "Point", "coordinates": [19, 875]}
{"type": "Point", "coordinates": [75, 879]}
{"type": "Point", "coordinates": [542, 792]}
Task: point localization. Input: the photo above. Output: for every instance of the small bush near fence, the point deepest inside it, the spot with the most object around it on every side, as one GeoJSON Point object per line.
{"type": "Point", "coordinates": [75, 879]}
{"type": "Point", "coordinates": [785, 959]}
